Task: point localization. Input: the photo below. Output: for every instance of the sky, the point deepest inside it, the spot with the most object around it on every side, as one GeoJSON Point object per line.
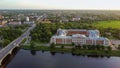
{"type": "Point", "coordinates": [60, 4]}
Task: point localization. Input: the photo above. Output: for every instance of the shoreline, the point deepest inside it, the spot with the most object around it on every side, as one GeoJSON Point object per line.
{"type": "Point", "coordinates": [74, 50]}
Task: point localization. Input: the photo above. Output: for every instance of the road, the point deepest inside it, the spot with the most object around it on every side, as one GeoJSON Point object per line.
{"type": "Point", "coordinates": [13, 44]}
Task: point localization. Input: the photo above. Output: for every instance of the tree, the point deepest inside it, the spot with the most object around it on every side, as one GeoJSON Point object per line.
{"type": "Point", "coordinates": [5, 42]}
{"type": "Point", "coordinates": [103, 47]}
{"type": "Point", "coordinates": [98, 47]}
{"type": "Point", "coordinates": [33, 52]}
{"type": "Point", "coordinates": [89, 47]}
{"type": "Point", "coordinates": [52, 46]}
{"type": "Point", "coordinates": [32, 46]}
{"type": "Point", "coordinates": [109, 48]}
{"type": "Point", "coordinates": [79, 46]}
{"type": "Point", "coordinates": [93, 47]}
{"type": "Point", "coordinates": [62, 46]}
{"type": "Point", "coordinates": [73, 43]}
{"type": "Point", "coordinates": [1, 44]}
{"type": "Point", "coordinates": [84, 46]}
{"type": "Point", "coordinates": [118, 47]}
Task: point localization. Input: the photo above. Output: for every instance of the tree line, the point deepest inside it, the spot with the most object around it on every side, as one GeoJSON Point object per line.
{"type": "Point", "coordinates": [8, 34]}
{"type": "Point", "coordinates": [44, 31]}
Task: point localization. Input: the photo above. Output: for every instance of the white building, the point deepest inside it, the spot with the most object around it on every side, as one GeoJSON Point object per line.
{"type": "Point", "coordinates": [79, 37]}
{"type": "Point", "coordinates": [27, 19]}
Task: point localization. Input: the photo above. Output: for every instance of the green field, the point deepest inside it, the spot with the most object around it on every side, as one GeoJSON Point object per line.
{"type": "Point", "coordinates": [108, 24]}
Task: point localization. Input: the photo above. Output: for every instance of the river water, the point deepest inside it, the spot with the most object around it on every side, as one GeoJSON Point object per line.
{"type": "Point", "coordinates": [39, 59]}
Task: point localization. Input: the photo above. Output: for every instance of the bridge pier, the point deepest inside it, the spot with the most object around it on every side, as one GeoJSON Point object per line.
{"type": "Point", "coordinates": [8, 54]}
{"type": "Point", "coordinates": [5, 59]}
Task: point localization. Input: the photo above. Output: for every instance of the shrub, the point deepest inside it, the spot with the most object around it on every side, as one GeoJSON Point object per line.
{"type": "Point", "coordinates": [109, 48]}
{"type": "Point", "coordinates": [52, 45]}
{"type": "Point", "coordinates": [118, 47]}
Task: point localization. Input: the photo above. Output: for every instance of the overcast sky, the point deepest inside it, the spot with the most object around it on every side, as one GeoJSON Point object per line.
{"type": "Point", "coordinates": [60, 4]}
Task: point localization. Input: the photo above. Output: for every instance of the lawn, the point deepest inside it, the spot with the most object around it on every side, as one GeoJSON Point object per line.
{"type": "Point", "coordinates": [108, 24]}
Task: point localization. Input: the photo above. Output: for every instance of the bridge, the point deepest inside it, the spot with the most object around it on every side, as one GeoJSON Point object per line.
{"type": "Point", "coordinates": [10, 47]}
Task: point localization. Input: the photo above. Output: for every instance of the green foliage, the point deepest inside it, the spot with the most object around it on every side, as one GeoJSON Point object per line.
{"type": "Point", "coordinates": [44, 31]}
{"type": "Point", "coordinates": [52, 46]}
{"type": "Point", "coordinates": [44, 48]}
{"type": "Point", "coordinates": [62, 46]}
{"type": "Point", "coordinates": [84, 46]}
{"type": "Point", "coordinates": [118, 47]}
{"type": "Point", "coordinates": [5, 42]}
{"type": "Point", "coordinates": [73, 44]}
{"type": "Point", "coordinates": [32, 45]}
{"type": "Point", "coordinates": [109, 48]}
{"type": "Point", "coordinates": [98, 47]}
{"type": "Point", "coordinates": [102, 47]}
{"type": "Point", "coordinates": [24, 40]}
{"type": "Point", "coordinates": [74, 50]}
{"type": "Point", "coordinates": [91, 47]}
{"type": "Point", "coordinates": [1, 43]}
{"type": "Point", "coordinates": [10, 33]}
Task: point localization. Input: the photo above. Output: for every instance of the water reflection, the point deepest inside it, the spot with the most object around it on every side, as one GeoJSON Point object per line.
{"type": "Point", "coordinates": [9, 58]}
{"type": "Point", "coordinates": [33, 52]}
{"type": "Point", "coordinates": [52, 53]}
{"type": "Point", "coordinates": [94, 56]}
{"type": "Point", "coordinates": [46, 59]}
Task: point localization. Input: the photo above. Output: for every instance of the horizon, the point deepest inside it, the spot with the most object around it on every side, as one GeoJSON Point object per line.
{"type": "Point", "coordinates": [60, 5]}
{"type": "Point", "coordinates": [70, 9]}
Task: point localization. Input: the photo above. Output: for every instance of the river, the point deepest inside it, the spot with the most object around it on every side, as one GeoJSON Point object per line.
{"type": "Point", "coordinates": [39, 59]}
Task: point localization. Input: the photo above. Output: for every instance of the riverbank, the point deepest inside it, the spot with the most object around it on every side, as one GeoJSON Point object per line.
{"type": "Point", "coordinates": [75, 51]}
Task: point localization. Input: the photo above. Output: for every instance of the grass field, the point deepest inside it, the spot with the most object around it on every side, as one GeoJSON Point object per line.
{"type": "Point", "coordinates": [108, 24]}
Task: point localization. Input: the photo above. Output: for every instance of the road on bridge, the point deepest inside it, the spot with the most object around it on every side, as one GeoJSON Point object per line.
{"type": "Point", "coordinates": [13, 44]}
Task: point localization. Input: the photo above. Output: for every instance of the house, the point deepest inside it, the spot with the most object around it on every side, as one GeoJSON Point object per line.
{"type": "Point", "coordinates": [14, 23]}
{"type": "Point", "coordinates": [26, 22]}
{"type": "Point", "coordinates": [76, 19]}
{"type": "Point", "coordinates": [1, 17]}
{"type": "Point", "coordinates": [2, 23]}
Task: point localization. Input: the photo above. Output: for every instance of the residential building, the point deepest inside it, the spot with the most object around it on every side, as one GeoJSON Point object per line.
{"type": "Point", "coordinates": [2, 23]}
{"type": "Point", "coordinates": [1, 17]}
{"type": "Point", "coordinates": [27, 19]}
{"type": "Point", "coordinates": [26, 22]}
{"type": "Point", "coordinates": [14, 23]}
{"type": "Point", "coordinates": [76, 19]}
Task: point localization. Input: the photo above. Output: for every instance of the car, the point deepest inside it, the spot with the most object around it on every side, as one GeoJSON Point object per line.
{"type": "Point", "coordinates": [14, 43]}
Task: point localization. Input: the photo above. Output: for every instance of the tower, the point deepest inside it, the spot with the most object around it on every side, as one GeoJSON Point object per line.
{"type": "Point", "coordinates": [27, 19]}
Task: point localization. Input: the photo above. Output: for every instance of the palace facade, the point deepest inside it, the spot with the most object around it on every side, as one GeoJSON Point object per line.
{"type": "Point", "coordinates": [79, 37]}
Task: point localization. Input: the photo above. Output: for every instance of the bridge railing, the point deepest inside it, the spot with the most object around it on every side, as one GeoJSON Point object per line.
{"type": "Point", "coordinates": [7, 46]}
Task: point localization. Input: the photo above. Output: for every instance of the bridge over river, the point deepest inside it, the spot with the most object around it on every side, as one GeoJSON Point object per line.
{"type": "Point", "coordinates": [10, 47]}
